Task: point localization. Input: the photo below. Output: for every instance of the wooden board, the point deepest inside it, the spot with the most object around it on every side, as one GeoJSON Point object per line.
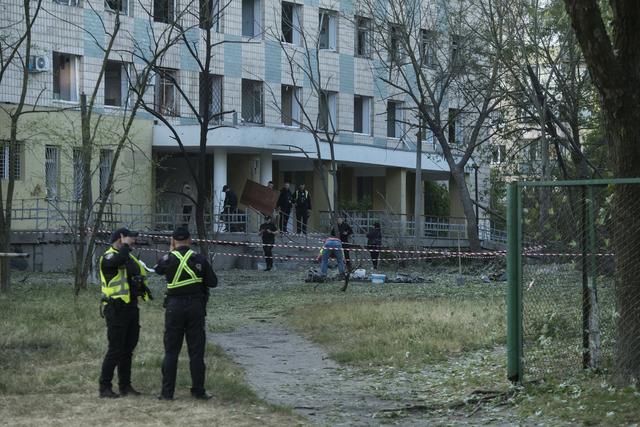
{"type": "Point", "coordinates": [259, 197]}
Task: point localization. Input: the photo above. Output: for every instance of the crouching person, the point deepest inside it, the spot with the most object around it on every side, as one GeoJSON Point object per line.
{"type": "Point", "coordinates": [332, 247]}
{"type": "Point", "coordinates": [189, 277]}
{"type": "Point", "coordinates": [123, 281]}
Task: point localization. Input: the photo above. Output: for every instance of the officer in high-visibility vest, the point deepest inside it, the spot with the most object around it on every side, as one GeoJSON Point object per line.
{"type": "Point", "coordinates": [189, 277]}
{"type": "Point", "coordinates": [123, 280]}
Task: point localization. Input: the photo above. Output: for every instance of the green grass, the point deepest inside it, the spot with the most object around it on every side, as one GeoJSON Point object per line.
{"type": "Point", "coordinates": [402, 333]}
{"type": "Point", "coordinates": [51, 349]}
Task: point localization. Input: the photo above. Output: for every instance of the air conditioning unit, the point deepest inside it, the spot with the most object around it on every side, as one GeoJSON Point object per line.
{"type": "Point", "coordinates": [39, 64]}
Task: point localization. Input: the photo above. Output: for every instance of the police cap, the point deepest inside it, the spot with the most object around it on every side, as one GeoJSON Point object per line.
{"type": "Point", "coordinates": [181, 233]}
{"type": "Point", "coordinates": [124, 232]}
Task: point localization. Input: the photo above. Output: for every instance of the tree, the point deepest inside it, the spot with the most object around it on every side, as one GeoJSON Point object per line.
{"type": "Point", "coordinates": [15, 53]}
{"type": "Point", "coordinates": [436, 58]}
{"type": "Point", "coordinates": [202, 50]}
{"type": "Point", "coordinates": [610, 49]}
{"type": "Point", "coordinates": [313, 97]}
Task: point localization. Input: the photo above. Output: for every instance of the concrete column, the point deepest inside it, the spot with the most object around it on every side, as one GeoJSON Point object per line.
{"type": "Point", "coordinates": [219, 177]}
{"type": "Point", "coordinates": [397, 193]}
{"type": "Point", "coordinates": [266, 168]}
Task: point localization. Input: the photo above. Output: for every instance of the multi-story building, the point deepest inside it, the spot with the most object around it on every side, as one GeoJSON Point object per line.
{"type": "Point", "coordinates": [261, 141]}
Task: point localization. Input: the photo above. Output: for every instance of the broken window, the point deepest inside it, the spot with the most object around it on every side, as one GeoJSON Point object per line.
{"type": "Point", "coordinates": [210, 15]}
{"type": "Point", "coordinates": [327, 119]}
{"type": "Point", "coordinates": [291, 23]}
{"type": "Point", "coordinates": [394, 119]}
{"type": "Point", "coordinates": [166, 95]}
{"type": "Point", "coordinates": [252, 101]}
{"type": "Point", "coordinates": [454, 126]}
{"type": "Point", "coordinates": [121, 6]}
{"type": "Point", "coordinates": [116, 84]}
{"type": "Point", "coordinates": [327, 39]}
{"type": "Point", "coordinates": [251, 18]}
{"type": "Point", "coordinates": [163, 10]}
{"type": "Point", "coordinates": [428, 48]}
{"type": "Point", "coordinates": [363, 37]}
{"type": "Point", "coordinates": [396, 49]}
{"type": "Point", "coordinates": [290, 108]}
{"type": "Point", "coordinates": [65, 77]}
{"type": "Point", "coordinates": [362, 114]}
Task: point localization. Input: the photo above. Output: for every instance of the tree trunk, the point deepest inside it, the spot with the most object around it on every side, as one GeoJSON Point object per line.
{"type": "Point", "coordinates": [472, 229]}
{"type": "Point", "coordinates": [418, 213]}
{"type": "Point", "coordinates": [625, 136]}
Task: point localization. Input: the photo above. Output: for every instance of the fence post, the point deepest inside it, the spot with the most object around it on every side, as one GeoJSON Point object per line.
{"type": "Point", "coordinates": [514, 288]}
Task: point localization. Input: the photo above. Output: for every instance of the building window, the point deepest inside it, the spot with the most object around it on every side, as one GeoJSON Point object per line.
{"type": "Point", "coordinates": [121, 6]}
{"type": "Point", "coordinates": [454, 51]}
{"type": "Point", "coordinates": [211, 15]}
{"type": "Point", "coordinates": [163, 11]}
{"type": "Point", "coordinates": [328, 36]}
{"type": "Point", "coordinates": [327, 120]}
{"type": "Point", "coordinates": [363, 37]}
{"type": "Point", "coordinates": [116, 84]}
{"type": "Point", "coordinates": [394, 119]}
{"type": "Point", "coordinates": [291, 23]}
{"type": "Point", "coordinates": [106, 159]}
{"type": "Point", "coordinates": [396, 50]}
{"type": "Point", "coordinates": [52, 170]}
{"type": "Point", "coordinates": [67, 2]}
{"type": "Point", "coordinates": [454, 128]}
{"type": "Point", "coordinates": [499, 154]}
{"type": "Point", "coordinates": [6, 166]}
{"type": "Point", "coordinates": [362, 114]}
{"type": "Point", "coordinates": [65, 77]}
{"type": "Point", "coordinates": [251, 18]}
{"type": "Point", "coordinates": [252, 107]}
{"type": "Point", "coordinates": [78, 173]}
{"type": "Point", "coordinates": [428, 48]}
{"type": "Point", "coordinates": [166, 96]}
{"type": "Point", "coordinates": [290, 107]}
{"type": "Point", "coordinates": [214, 87]}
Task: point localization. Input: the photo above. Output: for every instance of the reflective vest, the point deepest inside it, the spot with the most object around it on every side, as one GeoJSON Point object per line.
{"type": "Point", "coordinates": [183, 267]}
{"type": "Point", "coordinates": [118, 286]}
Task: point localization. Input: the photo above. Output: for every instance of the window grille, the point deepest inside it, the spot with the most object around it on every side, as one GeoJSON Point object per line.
{"type": "Point", "coordinates": [252, 101]}
{"type": "Point", "coordinates": [52, 170]}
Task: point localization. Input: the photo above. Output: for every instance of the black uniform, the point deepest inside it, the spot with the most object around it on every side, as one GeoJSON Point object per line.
{"type": "Point", "coordinates": [123, 319]}
{"type": "Point", "coordinates": [303, 206]}
{"type": "Point", "coordinates": [346, 232]}
{"type": "Point", "coordinates": [285, 202]}
{"type": "Point", "coordinates": [230, 209]}
{"type": "Point", "coordinates": [374, 242]}
{"type": "Point", "coordinates": [268, 239]}
{"type": "Point", "coordinates": [185, 316]}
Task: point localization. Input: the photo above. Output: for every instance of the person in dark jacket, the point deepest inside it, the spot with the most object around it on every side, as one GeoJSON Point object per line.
{"type": "Point", "coordinates": [374, 243]}
{"type": "Point", "coordinates": [230, 207]}
{"type": "Point", "coordinates": [344, 233]}
{"type": "Point", "coordinates": [303, 207]}
{"type": "Point", "coordinates": [268, 232]}
{"type": "Point", "coordinates": [189, 277]}
{"type": "Point", "coordinates": [285, 201]}
{"type": "Point", "coordinates": [123, 281]}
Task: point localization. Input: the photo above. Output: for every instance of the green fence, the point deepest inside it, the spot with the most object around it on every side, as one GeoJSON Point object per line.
{"type": "Point", "coordinates": [564, 301]}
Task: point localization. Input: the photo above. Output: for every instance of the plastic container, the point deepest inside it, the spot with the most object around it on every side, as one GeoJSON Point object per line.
{"type": "Point", "coordinates": [378, 279]}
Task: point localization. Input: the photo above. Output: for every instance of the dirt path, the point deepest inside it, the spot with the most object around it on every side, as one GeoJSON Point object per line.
{"type": "Point", "coordinates": [287, 369]}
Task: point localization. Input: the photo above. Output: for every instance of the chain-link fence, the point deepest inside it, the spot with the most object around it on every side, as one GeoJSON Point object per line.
{"type": "Point", "coordinates": [565, 281]}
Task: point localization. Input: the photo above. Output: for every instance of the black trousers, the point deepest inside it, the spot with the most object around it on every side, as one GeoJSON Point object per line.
{"type": "Point", "coordinates": [347, 259]}
{"type": "Point", "coordinates": [301, 221]}
{"type": "Point", "coordinates": [123, 331]}
{"type": "Point", "coordinates": [268, 255]}
{"type": "Point", "coordinates": [184, 317]}
{"type": "Point", "coordinates": [374, 251]}
{"type": "Point", "coordinates": [284, 220]}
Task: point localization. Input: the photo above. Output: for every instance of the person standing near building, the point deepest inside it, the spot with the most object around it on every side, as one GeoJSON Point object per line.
{"type": "Point", "coordinates": [374, 243]}
{"type": "Point", "coordinates": [285, 202]}
{"type": "Point", "coordinates": [344, 234]}
{"type": "Point", "coordinates": [303, 207]}
{"type": "Point", "coordinates": [189, 277]}
{"type": "Point", "coordinates": [268, 232]}
{"type": "Point", "coordinates": [230, 207]}
{"type": "Point", "coordinates": [123, 280]}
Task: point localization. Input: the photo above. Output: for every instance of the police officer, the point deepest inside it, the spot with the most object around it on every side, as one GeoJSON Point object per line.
{"type": "Point", "coordinates": [303, 207]}
{"type": "Point", "coordinates": [344, 233]}
{"type": "Point", "coordinates": [123, 280]}
{"type": "Point", "coordinates": [189, 277]}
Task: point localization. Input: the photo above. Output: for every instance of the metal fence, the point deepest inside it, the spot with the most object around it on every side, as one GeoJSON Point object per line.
{"type": "Point", "coordinates": [570, 267]}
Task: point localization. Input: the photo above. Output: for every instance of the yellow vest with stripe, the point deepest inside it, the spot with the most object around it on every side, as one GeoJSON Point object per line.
{"type": "Point", "coordinates": [183, 267]}
{"type": "Point", "coordinates": [118, 286]}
